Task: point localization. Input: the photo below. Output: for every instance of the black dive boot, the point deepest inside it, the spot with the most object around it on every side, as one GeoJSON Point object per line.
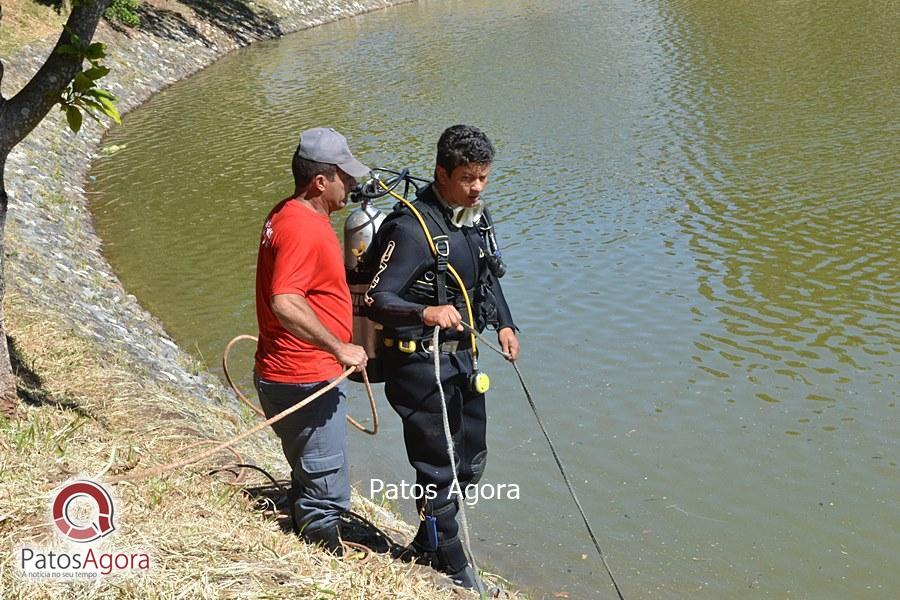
{"type": "Point", "coordinates": [420, 550]}
{"type": "Point", "coordinates": [465, 578]}
{"type": "Point", "coordinates": [452, 561]}
{"type": "Point", "coordinates": [328, 537]}
{"type": "Point", "coordinates": [417, 554]}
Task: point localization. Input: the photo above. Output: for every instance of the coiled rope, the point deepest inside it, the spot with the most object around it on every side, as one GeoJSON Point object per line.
{"type": "Point", "coordinates": [259, 411]}
{"type": "Point", "coordinates": [229, 443]}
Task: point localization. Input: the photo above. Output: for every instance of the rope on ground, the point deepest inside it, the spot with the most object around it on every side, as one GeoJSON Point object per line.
{"type": "Point", "coordinates": [227, 444]}
{"type": "Point", "coordinates": [238, 477]}
{"type": "Point", "coordinates": [259, 411]}
{"type": "Point", "coordinates": [435, 345]}
{"type": "Point", "coordinates": [268, 475]}
{"type": "Point", "coordinates": [109, 464]}
{"type": "Point", "coordinates": [367, 552]}
{"type": "Point", "coordinates": [392, 545]}
{"type": "Point", "coordinates": [559, 464]}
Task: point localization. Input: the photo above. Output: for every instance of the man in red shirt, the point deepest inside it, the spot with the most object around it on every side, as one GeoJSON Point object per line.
{"type": "Point", "coordinates": [305, 323]}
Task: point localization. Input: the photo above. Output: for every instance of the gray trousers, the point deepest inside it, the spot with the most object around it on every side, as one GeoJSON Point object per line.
{"type": "Point", "coordinates": [313, 442]}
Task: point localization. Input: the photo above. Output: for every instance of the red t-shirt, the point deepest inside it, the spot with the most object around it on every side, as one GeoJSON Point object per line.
{"type": "Point", "coordinates": [300, 254]}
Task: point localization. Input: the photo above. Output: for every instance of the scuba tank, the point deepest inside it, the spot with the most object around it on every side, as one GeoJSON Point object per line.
{"type": "Point", "coordinates": [359, 233]}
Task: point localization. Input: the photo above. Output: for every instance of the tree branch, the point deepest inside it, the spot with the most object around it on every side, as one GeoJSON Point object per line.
{"type": "Point", "coordinates": [2, 99]}
{"type": "Point", "coordinates": [21, 113]}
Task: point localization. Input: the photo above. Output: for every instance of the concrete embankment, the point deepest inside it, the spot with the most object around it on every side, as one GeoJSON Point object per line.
{"type": "Point", "coordinates": [55, 257]}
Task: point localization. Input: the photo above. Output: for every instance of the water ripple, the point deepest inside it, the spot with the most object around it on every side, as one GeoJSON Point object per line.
{"type": "Point", "coordinates": [699, 206]}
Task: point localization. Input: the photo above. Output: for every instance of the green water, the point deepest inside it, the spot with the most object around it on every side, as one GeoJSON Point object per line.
{"type": "Point", "coordinates": [699, 207]}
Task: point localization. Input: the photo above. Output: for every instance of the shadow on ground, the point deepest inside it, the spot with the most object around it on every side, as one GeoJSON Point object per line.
{"type": "Point", "coordinates": [272, 500]}
{"type": "Point", "coordinates": [30, 387]}
{"type": "Point", "coordinates": [55, 4]}
{"type": "Point", "coordinates": [237, 20]}
{"type": "Point", "coordinates": [168, 24]}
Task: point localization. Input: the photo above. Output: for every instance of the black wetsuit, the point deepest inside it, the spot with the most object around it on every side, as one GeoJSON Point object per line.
{"type": "Point", "coordinates": [405, 283]}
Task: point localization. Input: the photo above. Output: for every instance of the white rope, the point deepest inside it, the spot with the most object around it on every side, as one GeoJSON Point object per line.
{"type": "Point", "coordinates": [559, 464]}
{"type": "Point", "coordinates": [436, 351]}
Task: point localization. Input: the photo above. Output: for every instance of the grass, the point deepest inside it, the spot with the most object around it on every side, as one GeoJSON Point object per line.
{"type": "Point", "coordinates": [25, 21]}
{"type": "Point", "coordinates": [90, 414]}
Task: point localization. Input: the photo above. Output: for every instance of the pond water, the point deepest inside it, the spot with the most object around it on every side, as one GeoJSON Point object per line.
{"type": "Point", "coordinates": [698, 203]}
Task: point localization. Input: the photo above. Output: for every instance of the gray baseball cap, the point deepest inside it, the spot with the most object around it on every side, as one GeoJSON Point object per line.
{"type": "Point", "coordinates": [325, 145]}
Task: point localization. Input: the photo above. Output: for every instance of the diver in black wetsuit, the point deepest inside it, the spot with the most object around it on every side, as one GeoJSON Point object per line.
{"type": "Point", "coordinates": [413, 290]}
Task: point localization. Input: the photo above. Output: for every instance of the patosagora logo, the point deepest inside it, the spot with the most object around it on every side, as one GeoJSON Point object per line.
{"type": "Point", "coordinates": [81, 512]}
{"type": "Point", "coordinates": [77, 532]}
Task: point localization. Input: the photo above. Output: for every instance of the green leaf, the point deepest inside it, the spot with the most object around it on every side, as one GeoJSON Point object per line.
{"type": "Point", "coordinates": [96, 73]}
{"type": "Point", "coordinates": [81, 83]}
{"type": "Point", "coordinates": [95, 51]}
{"type": "Point", "coordinates": [90, 104]}
{"type": "Point", "coordinates": [67, 49]}
{"type": "Point", "coordinates": [110, 110]}
{"type": "Point", "coordinates": [100, 93]}
{"type": "Point", "coordinates": [73, 116]}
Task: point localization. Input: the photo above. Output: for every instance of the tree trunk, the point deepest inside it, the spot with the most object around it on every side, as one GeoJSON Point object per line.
{"type": "Point", "coordinates": [18, 116]}
{"type": "Point", "coordinates": [8, 397]}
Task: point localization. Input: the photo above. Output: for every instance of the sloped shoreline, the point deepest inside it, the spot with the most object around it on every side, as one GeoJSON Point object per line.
{"type": "Point", "coordinates": [55, 258]}
{"type": "Point", "coordinates": [107, 389]}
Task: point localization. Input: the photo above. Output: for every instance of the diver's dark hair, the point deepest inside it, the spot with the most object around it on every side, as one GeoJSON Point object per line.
{"type": "Point", "coordinates": [462, 145]}
{"type": "Point", "coordinates": [305, 170]}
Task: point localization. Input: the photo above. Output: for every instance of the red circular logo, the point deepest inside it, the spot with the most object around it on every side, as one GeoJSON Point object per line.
{"type": "Point", "coordinates": [80, 532]}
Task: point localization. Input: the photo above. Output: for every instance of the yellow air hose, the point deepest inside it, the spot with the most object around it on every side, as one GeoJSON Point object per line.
{"type": "Point", "coordinates": [459, 281]}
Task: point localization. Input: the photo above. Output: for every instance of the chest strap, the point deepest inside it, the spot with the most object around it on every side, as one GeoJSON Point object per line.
{"type": "Point", "coordinates": [441, 263]}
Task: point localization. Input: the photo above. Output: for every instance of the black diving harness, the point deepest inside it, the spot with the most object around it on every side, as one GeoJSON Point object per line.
{"type": "Point", "coordinates": [440, 249]}
{"type": "Point", "coordinates": [376, 188]}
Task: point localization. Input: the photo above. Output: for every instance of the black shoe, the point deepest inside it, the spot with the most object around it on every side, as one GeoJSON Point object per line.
{"type": "Point", "coordinates": [327, 537]}
{"type": "Point", "coordinates": [464, 578]}
{"type": "Point", "coordinates": [413, 553]}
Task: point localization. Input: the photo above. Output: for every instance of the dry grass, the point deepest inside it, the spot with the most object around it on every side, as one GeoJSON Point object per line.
{"type": "Point", "coordinates": [89, 414]}
{"type": "Point", "coordinates": [25, 21]}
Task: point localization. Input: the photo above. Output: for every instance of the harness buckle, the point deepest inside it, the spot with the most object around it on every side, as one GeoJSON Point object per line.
{"type": "Point", "coordinates": [446, 347]}
{"type": "Point", "coordinates": [442, 246]}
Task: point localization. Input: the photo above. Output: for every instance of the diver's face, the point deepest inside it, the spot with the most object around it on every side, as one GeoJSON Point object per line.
{"type": "Point", "coordinates": [464, 185]}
